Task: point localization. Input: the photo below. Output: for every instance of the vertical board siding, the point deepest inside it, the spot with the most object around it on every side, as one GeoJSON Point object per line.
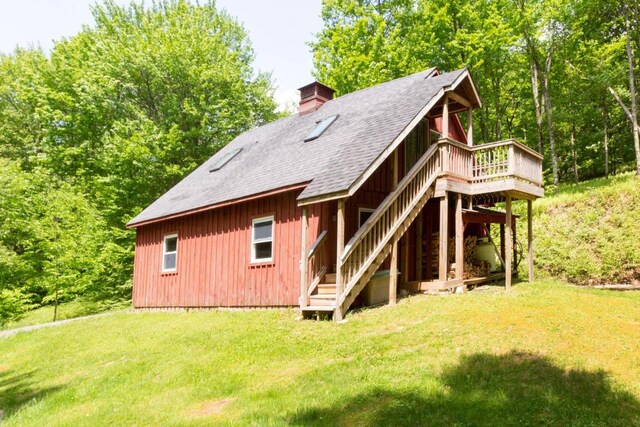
{"type": "Point", "coordinates": [214, 257]}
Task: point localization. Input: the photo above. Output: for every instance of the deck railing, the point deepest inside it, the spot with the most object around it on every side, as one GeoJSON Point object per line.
{"type": "Point", "coordinates": [490, 162]}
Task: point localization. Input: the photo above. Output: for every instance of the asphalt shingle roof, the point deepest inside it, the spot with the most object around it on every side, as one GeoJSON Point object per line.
{"type": "Point", "coordinates": [275, 155]}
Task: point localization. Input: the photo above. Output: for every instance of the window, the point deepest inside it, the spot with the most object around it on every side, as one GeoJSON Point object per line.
{"type": "Point", "coordinates": [363, 215]}
{"type": "Point", "coordinates": [417, 144]}
{"type": "Point", "coordinates": [170, 253]}
{"type": "Point", "coordinates": [224, 159]}
{"type": "Point", "coordinates": [262, 239]}
{"type": "Point", "coordinates": [320, 128]}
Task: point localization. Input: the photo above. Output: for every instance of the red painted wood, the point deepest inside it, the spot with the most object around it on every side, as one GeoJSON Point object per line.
{"type": "Point", "coordinates": [214, 253]}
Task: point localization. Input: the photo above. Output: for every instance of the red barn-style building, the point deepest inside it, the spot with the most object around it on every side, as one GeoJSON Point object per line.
{"type": "Point", "coordinates": [344, 202]}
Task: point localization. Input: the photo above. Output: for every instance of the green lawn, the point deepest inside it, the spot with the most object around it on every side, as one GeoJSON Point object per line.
{"type": "Point", "coordinates": [543, 354]}
{"type": "Point", "coordinates": [67, 310]}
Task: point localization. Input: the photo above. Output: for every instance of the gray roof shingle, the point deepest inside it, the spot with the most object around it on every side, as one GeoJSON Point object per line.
{"type": "Point", "coordinates": [275, 155]}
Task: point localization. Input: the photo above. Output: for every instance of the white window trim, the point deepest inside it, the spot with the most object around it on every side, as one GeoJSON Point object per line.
{"type": "Point", "coordinates": [360, 211]}
{"type": "Point", "coordinates": [255, 260]}
{"type": "Point", "coordinates": [164, 252]}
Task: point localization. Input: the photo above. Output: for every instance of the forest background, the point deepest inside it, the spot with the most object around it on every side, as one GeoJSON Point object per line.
{"type": "Point", "coordinates": [108, 120]}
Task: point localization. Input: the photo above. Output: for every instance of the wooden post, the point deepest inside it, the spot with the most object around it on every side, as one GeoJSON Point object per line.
{"type": "Point", "coordinates": [404, 271]}
{"type": "Point", "coordinates": [530, 240]}
{"type": "Point", "coordinates": [470, 127]}
{"type": "Point", "coordinates": [470, 202]}
{"type": "Point", "coordinates": [502, 241]}
{"type": "Point", "coordinates": [303, 258]}
{"type": "Point", "coordinates": [428, 247]}
{"type": "Point", "coordinates": [419, 243]}
{"type": "Point", "coordinates": [443, 261]}
{"type": "Point", "coordinates": [459, 238]}
{"type": "Point", "coordinates": [509, 244]}
{"type": "Point", "coordinates": [393, 269]}
{"type": "Point", "coordinates": [445, 117]}
{"type": "Point", "coordinates": [339, 250]}
{"type": "Point", "coordinates": [393, 273]}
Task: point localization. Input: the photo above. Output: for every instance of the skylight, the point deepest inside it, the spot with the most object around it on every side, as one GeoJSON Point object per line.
{"type": "Point", "coordinates": [223, 160]}
{"type": "Point", "coordinates": [320, 128]}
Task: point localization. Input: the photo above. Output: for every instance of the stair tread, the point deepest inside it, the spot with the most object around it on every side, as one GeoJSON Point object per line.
{"type": "Point", "coordinates": [323, 296]}
{"type": "Point", "coordinates": [318, 308]}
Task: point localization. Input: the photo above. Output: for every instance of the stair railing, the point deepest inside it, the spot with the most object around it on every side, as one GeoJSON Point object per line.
{"type": "Point", "coordinates": [360, 252]}
{"type": "Point", "coordinates": [316, 264]}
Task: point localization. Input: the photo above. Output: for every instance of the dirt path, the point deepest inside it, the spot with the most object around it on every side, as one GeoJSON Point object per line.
{"type": "Point", "coordinates": [10, 332]}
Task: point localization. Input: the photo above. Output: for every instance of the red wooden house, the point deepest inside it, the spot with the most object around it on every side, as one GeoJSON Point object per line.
{"type": "Point", "coordinates": [382, 185]}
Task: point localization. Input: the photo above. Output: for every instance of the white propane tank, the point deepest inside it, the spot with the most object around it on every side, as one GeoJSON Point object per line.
{"type": "Point", "coordinates": [486, 252]}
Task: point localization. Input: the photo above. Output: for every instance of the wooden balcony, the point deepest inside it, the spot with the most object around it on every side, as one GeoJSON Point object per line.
{"type": "Point", "coordinates": [496, 168]}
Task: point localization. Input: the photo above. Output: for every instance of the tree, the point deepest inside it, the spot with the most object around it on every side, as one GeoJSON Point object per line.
{"type": "Point", "coordinates": [114, 117]}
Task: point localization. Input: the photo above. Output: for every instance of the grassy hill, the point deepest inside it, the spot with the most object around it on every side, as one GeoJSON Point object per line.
{"type": "Point", "coordinates": [545, 353]}
{"type": "Point", "coordinates": [589, 234]}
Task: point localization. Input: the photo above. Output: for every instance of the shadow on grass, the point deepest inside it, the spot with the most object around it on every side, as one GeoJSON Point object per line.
{"type": "Point", "coordinates": [512, 389]}
{"type": "Point", "coordinates": [18, 390]}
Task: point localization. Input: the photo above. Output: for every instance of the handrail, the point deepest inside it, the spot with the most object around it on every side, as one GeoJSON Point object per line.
{"type": "Point", "coordinates": [372, 240]}
{"type": "Point", "coordinates": [316, 245]}
{"type": "Point", "coordinates": [511, 141]}
{"type": "Point", "coordinates": [316, 264]}
{"type": "Point", "coordinates": [369, 223]}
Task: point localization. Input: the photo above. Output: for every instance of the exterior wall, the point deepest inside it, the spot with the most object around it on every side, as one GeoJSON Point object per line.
{"type": "Point", "coordinates": [456, 131]}
{"type": "Point", "coordinates": [214, 257]}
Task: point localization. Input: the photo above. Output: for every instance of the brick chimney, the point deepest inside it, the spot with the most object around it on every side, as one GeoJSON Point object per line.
{"type": "Point", "coordinates": [312, 96]}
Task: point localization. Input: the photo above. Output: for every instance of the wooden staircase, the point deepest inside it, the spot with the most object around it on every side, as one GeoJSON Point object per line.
{"type": "Point", "coordinates": [373, 242]}
{"type": "Point", "coordinates": [323, 297]}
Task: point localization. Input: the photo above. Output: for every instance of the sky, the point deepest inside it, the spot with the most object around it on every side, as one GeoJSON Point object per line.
{"type": "Point", "coordinates": [279, 31]}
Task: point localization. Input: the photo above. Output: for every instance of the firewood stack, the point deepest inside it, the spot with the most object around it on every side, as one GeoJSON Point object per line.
{"type": "Point", "coordinates": [472, 267]}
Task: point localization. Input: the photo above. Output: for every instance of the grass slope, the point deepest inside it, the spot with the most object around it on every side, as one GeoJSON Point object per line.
{"type": "Point", "coordinates": [545, 354]}
{"type": "Point", "coordinates": [589, 233]}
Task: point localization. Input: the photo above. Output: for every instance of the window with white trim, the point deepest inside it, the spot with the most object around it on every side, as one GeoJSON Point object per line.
{"type": "Point", "coordinates": [170, 253]}
{"type": "Point", "coordinates": [262, 239]}
{"type": "Point", "coordinates": [363, 215]}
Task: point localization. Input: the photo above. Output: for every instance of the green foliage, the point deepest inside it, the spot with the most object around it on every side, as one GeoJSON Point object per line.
{"type": "Point", "coordinates": [366, 42]}
{"type": "Point", "coordinates": [540, 354]}
{"type": "Point", "coordinates": [101, 127]}
{"type": "Point", "coordinates": [589, 234]}
{"type": "Point", "coordinates": [50, 237]}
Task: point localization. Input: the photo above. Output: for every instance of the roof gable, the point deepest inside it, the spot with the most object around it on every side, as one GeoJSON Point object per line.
{"type": "Point", "coordinates": [275, 155]}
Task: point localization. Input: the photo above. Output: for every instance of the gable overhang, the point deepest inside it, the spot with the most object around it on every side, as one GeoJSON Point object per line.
{"type": "Point", "coordinates": [462, 88]}
{"type": "Point", "coordinates": [219, 205]}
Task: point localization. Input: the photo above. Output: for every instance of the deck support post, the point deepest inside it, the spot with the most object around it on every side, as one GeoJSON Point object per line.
{"type": "Point", "coordinates": [303, 259]}
{"type": "Point", "coordinates": [470, 127]}
{"type": "Point", "coordinates": [339, 250]}
{"type": "Point", "coordinates": [419, 243]}
{"type": "Point", "coordinates": [429, 247]}
{"type": "Point", "coordinates": [530, 241]}
{"type": "Point", "coordinates": [459, 238]}
{"type": "Point", "coordinates": [443, 258]}
{"type": "Point", "coordinates": [393, 268]}
{"type": "Point", "coordinates": [509, 244]}
{"type": "Point", "coordinates": [445, 117]}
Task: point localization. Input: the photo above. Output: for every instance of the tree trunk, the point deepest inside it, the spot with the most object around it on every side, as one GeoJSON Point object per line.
{"type": "Point", "coordinates": [632, 89]}
{"type": "Point", "coordinates": [606, 141]}
{"type": "Point", "coordinates": [573, 152]}
{"type": "Point", "coordinates": [533, 64]}
{"type": "Point", "coordinates": [548, 108]}
{"type": "Point", "coordinates": [55, 306]}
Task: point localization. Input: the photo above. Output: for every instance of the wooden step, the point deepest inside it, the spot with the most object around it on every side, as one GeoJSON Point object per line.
{"type": "Point", "coordinates": [318, 308]}
{"type": "Point", "coordinates": [322, 300]}
{"type": "Point", "coordinates": [330, 278]}
{"type": "Point", "coordinates": [326, 288]}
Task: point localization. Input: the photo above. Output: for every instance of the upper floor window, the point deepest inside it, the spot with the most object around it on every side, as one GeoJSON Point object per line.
{"type": "Point", "coordinates": [363, 215]}
{"type": "Point", "coordinates": [262, 239]}
{"type": "Point", "coordinates": [170, 253]}
{"type": "Point", "coordinates": [416, 144]}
